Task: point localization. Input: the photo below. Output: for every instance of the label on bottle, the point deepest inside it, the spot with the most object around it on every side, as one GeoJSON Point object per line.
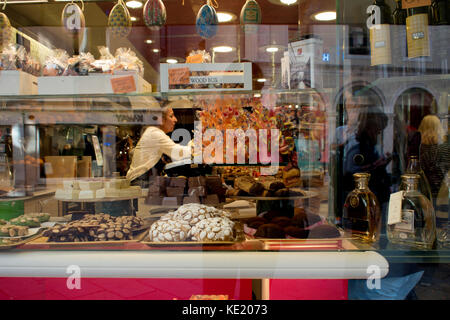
{"type": "Point", "coordinates": [406, 4]}
{"type": "Point", "coordinates": [417, 36]}
{"type": "Point", "coordinates": [380, 44]}
{"type": "Point", "coordinates": [407, 223]}
{"type": "Point", "coordinates": [395, 208]}
{"type": "Point", "coordinates": [354, 201]}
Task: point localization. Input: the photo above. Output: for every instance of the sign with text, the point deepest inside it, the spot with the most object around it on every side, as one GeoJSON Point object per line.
{"type": "Point", "coordinates": [123, 84]}
{"type": "Point", "coordinates": [179, 76]}
{"type": "Point", "coordinates": [406, 4]}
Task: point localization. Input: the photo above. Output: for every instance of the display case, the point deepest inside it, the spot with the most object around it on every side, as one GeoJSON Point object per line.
{"type": "Point", "coordinates": [286, 182]}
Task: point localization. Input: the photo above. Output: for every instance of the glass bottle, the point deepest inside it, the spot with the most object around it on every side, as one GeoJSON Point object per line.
{"type": "Point", "coordinates": [362, 214]}
{"type": "Point", "coordinates": [414, 168]}
{"type": "Point", "coordinates": [399, 14]}
{"type": "Point", "coordinates": [439, 12]}
{"type": "Point", "coordinates": [417, 36]}
{"type": "Point", "coordinates": [443, 214]}
{"type": "Point", "coordinates": [417, 228]}
{"type": "Point", "coordinates": [380, 39]}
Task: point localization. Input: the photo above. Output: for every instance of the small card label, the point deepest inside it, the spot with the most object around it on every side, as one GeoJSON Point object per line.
{"type": "Point", "coordinates": [179, 76]}
{"type": "Point", "coordinates": [407, 223]}
{"type": "Point", "coordinates": [98, 151]}
{"type": "Point", "coordinates": [196, 58]}
{"type": "Point", "coordinates": [395, 208]}
{"type": "Point", "coordinates": [48, 168]}
{"type": "Point", "coordinates": [123, 84]}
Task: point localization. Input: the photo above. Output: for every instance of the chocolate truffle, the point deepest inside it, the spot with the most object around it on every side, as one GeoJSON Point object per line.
{"type": "Point", "coordinates": [270, 230]}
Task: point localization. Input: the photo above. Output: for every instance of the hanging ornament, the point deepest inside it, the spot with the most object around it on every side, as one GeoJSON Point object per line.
{"type": "Point", "coordinates": [119, 20]}
{"type": "Point", "coordinates": [207, 21]}
{"type": "Point", "coordinates": [250, 16]}
{"type": "Point", "coordinates": [72, 18]}
{"type": "Point", "coordinates": [5, 29]}
{"type": "Point", "coordinates": [154, 13]}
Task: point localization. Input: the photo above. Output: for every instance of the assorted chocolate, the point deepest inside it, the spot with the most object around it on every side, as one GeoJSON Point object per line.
{"type": "Point", "coordinates": [176, 191]}
{"type": "Point", "coordinates": [264, 186]}
{"type": "Point", "coordinates": [95, 227]}
{"type": "Point", "coordinates": [302, 225]}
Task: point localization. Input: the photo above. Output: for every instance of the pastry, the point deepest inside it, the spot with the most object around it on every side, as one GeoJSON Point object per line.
{"type": "Point", "coordinates": [296, 232]}
{"type": "Point", "coordinates": [169, 230]}
{"type": "Point", "coordinates": [281, 221]}
{"type": "Point", "coordinates": [249, 185]}
{"type": "Point", "coordinates": [255, 222]}
{"type": "Point", "coordinates": [213, 229]}
{"type": "Point", "coordinates": [270, 230]}
{"type": "Point", "coordinates": [271, 183]}
{"type": "Point", "coordinates": [291, 177]}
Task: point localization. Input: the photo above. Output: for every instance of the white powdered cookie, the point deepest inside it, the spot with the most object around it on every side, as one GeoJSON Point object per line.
{"type": "Point", "coordinates": [213, 229]}
{"type": "Point", "coordinates": [169, 231]}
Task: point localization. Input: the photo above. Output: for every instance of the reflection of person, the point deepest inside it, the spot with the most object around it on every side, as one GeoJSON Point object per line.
{"type": "Point", "coordinates": [154, 143]}
{"type": "Point", "coordinates": [434, 152]}
{"type": "Point", "coordinates": [362, 154]}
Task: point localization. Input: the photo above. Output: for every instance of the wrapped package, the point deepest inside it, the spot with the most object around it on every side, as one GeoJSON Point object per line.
{"type": "Point", "coordinates": [126, 60]}
{"type": "Point", "coordinates": [14, 57]}
{"type": "Point", "coordinates": [56, 63]}
{"type": "Point", "coordinates": [105, 63]}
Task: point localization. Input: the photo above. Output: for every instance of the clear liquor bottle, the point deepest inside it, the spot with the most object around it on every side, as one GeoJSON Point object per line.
{"type": "Point", "coordinates": [417, 227]}
{"type": "Point", "coordinates": [362, 213]}
{"type": "Point", "coordinates": [414, 168]}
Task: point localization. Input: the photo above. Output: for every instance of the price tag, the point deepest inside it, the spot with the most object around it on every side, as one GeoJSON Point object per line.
{"type": "Point", "coordinates": [123, 84]}
{"type": "Point", "coordinates": [406, 4]}
{"type": "Point", "coordinates": [395, 208]}
{"type": "Point", "coordinates": [196, 58]}
{"type": "Point", "coordinates": [98, 151]}
{"type": "Point", "coordinates": [179, 76]}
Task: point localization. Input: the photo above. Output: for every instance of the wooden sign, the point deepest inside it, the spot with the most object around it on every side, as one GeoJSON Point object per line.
{"type": "Point", "coordinates": [179, 76]}
{"type": "Point", "coordinates": [123, 84]}
{"type": "Point", "coordinates": [406, 4]}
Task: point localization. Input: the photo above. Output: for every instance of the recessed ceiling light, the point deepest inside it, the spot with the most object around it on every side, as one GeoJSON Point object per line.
{"type": "Point", "coordinates": [257, 95]}
{"type": "Point", "coordinates": [225, 16]}
{"type": "Point", "coordinates": [155, 50]}
{"type": "Point", "coordinates": [148, 41]}
{"type": "Point", "coordinates": [133, 4]}
{"type": "Point", "coordinates": [272, 49]}
{"type": "Point", "coordinates": [325, 16]}
{"type": "Point", "coordinates": [222, 49]}
{"type": "Point", "coordinates": [261, 80]}
{"type": "Point", "coordinates": [173, 61]}
{"type": "Point", "coordinates": [288, 2]}
{"type": "Point", "coordinates": [134, 19]}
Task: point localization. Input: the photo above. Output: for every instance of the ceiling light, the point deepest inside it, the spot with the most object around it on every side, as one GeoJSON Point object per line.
{"type": "Point", "coordinates": [133, 4]}
{"type": "Point", "coordinates": [261, 80]}
{"type": "Point", "coordinates": [148, 41]}
{"type": "Point", "coordinates": [272, 49]}
{"type": "Point", "coordinates": [155, 50]}
{"type": "Point", "coordinates": [225, 17]}
{"type": "Point", "coordinates": [172, 61]}
{"type": "Point", "coordinates": [223, 49]}
{"type": "Point", "coordinates": [288, 2]}
{"type": "Point", "coordinates": [257, 95]}
{"type": "Point", "coordinates": [134, 19]}
{"type": "Point", "coordinates": [325, 16]}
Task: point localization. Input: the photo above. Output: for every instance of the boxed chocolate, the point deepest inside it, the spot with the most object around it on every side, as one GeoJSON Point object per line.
{"type": "Point", "coordinates": [154, 200]}
{"type": "Point", "coordinates": [154, 189]}
{"type": "Point", "coordinates": [179, 182]}
{"type": "Point", "coordinates": [197, 191]}
{"type": "Point", "coordinates": [174, 191]}
{"type": "Point", "coordinates": [199, 181]}
{"type": "Point", "coordinates": [191, 199]}
{"type": "Point", "coordinates": [172, 201]}
{"type": "Point", "coordinates": [211, 199]}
